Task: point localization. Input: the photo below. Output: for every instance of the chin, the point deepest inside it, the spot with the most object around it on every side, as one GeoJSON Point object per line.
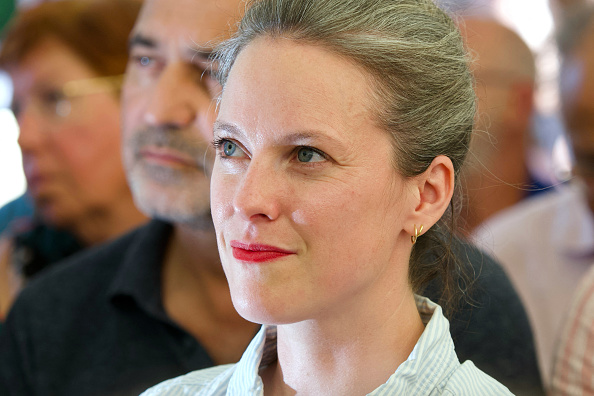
{"type": "Point", "coordinates": [267, 310]}
{"type": "Point", "coordinates": [54, 217]}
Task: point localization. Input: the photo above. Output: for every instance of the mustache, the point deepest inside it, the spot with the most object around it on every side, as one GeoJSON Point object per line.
{"type": "Point", "coordinates": [170, 137]}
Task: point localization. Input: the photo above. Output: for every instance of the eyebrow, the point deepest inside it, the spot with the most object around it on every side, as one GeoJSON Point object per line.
{"type": "Point", "coordinates": [230, 128]}
{"type": "Point", "coordinates": [295, 138]}
{"type": "Point", "coordinates": [142, 41]}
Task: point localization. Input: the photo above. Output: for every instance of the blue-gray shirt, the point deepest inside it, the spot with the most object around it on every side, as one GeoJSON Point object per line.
{"type": "Point", "coordinates": [431, 369]}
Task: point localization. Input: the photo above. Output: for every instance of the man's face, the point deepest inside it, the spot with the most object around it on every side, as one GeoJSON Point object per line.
{"type": "Point", "coordinates": [578, 108]}
{"type": "Point", "coordinates": [168, 107]}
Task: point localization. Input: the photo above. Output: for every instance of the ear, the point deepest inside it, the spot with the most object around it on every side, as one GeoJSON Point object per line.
{"type": "Point", "coordinates": [435, 190]}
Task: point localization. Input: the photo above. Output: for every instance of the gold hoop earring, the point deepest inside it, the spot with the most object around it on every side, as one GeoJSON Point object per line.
{"type": "Point", "coordinates": [413, 238]}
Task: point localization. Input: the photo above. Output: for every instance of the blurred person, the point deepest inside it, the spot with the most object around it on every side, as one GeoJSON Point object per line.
{"type": "Point", "coordinates": [546, 243]}
{"type": "Point", "coordinates": [154, 303]}
{"type": "Point", "coordinates": [160, 291]}
{"type": "Point", "coordinates": [496, 173]}
{"type": "Point", "coordinates": [66, 61]}
{"type": "Point", "coordinates": [328, 188]}
{"type": "Point", "coordinates": [573, 367]}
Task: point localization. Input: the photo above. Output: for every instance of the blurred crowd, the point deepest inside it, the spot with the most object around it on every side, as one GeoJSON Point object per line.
{"type": "Point", "coordinates": [100, 85]}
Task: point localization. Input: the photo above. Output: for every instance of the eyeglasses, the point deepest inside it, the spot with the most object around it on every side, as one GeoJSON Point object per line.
{"type": "Point", "coordinates": [56, 104]}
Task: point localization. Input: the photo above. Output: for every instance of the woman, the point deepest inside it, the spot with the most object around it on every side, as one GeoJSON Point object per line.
{"type": "Point", "coordinates": [341, 130]}
{"type": "Point", "coordinates": [66, 59]}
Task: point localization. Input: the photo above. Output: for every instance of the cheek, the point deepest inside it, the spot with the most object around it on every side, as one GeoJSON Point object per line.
{"type": "Point", "coordinates": [206, 117]}
{"type": "Point", "coordinates": [325, 206]}
{"type": "Point", "coordinates": [91, 153]}
{"type": "Point", "coordinates": [221, 196]}
{"type": "Point", "coordinates": [132, 111]}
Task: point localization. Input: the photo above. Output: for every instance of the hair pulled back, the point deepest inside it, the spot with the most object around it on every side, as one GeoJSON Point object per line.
{"type": "Point", "coordinates": [423, 89]}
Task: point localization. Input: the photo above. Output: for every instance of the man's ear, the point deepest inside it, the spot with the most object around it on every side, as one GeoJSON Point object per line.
{"type": "Point", "coordinates": [435, 190]}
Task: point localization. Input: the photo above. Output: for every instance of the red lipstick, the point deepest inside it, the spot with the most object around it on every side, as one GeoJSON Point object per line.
{"type": "Point", "coordinates": [257, 253]}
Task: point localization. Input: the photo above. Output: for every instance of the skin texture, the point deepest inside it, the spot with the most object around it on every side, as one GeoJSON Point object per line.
{"type": "Point", "coordinates": [302, 166]}
{"type": "Point", "coordinates": [71, 164]}
{"type": "Point", "coordinates": [168, 111]}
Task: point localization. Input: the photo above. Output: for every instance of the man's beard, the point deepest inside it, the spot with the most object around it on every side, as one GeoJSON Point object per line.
{"type": "Point", "coordinates": [180, 195]}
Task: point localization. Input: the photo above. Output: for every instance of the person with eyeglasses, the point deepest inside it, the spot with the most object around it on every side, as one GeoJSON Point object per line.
{"type": "Point", "coordinates": [66, 60]}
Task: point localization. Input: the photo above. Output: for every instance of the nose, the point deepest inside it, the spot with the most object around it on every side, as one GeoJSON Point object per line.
{"type": "Point", "coordinates": [260, 193]}
{"type": "Point", "coordinates": [31, 130]}
{"type": "Point", "coordinates": [174, 101]}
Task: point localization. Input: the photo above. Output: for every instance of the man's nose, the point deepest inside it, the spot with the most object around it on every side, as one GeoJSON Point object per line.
{"type": "Point", "coordinates": [173, 102]}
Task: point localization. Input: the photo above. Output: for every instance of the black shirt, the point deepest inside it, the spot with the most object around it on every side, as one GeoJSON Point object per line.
{"type": "Point", "coordinates": [491, 327]}
{"type": "Point", "coordinates": [95, 325]}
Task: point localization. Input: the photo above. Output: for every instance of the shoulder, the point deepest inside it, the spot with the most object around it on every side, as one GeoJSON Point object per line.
{"type": "Point", "coordinates": [200, 382]}
{"type": "Point", "coordinates": [489, 284]}
{"type": "Point", "coordinates": [490, 326]}
{"type": "Point", "coordinates": [575, 351]}
{"type": "Point", "coordinates": [19, 207]}
{"type": "Point", "coordinates": [533, 215]}
{"type": "Point", "coordinates": [469, 380]}
{"type": "Point", "coordinates": [77, 280]}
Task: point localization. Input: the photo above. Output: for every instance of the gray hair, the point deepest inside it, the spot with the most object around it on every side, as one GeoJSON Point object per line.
{"type": "Point", "coordinates": [415, 57]}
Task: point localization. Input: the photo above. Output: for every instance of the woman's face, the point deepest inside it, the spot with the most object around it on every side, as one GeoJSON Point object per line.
{"type": "Point", "coordinates": [71, 148]}
{"type": "Point", "coordinates": [308, 209]}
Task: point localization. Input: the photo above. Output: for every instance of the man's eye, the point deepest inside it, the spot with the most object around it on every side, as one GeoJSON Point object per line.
{"type": "Point", "coordinates": [51, 97]}
{"type": "Point", "coordinates": [143, 61]}
{"type": "Point", "coordinates": [308, 154]}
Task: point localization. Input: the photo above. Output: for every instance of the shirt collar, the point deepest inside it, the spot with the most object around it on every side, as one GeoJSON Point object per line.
{"type": "Point", "coordinates": [432, 361]}
{"type": "Point", "coordinates": [138, 278]}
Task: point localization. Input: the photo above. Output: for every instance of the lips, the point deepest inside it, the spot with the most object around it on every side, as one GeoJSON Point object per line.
{"type": "Point", "coordinates": [35, 182]}
{"type": "Point", "coordinates": [257, 253]}
{"type": "Point", "coordinates": [167, 157]}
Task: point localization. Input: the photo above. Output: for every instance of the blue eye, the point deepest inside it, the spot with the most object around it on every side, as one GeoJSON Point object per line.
{"type": "Point", "coordinates": [229, 148]}
{"type": "Point", "coordinates": [307, 154]}
{"type": "Point", "coordinates": [144, 60]}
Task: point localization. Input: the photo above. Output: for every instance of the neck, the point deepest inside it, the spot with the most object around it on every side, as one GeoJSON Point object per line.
{"type": "Point", "coordinates": [101, 225]}
{"type": "Point", "coordinates": [335, 358]}
{"type": "Point", "coordinates": [196, 295]}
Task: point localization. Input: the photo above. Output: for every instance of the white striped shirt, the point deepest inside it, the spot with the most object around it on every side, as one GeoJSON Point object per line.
{"type": "Point", "coordinates": [431, 369]}
{"type": "Point", "coordinates": [573, 373]}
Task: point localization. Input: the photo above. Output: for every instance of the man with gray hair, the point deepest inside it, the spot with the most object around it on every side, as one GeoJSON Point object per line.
{"type": "Point", "coordinates": [154, 303]}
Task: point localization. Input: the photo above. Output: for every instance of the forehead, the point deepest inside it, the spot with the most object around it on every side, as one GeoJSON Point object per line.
{"type": "Point", "coordinates": [49, 61]}
{"type": "Point", "coordinates": [187, 22]}
{"type": "Point", "coordinates": [273, 87]}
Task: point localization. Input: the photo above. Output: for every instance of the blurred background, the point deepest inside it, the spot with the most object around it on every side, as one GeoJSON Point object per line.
{"type": "Point", "coordinates": [533, 20]}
